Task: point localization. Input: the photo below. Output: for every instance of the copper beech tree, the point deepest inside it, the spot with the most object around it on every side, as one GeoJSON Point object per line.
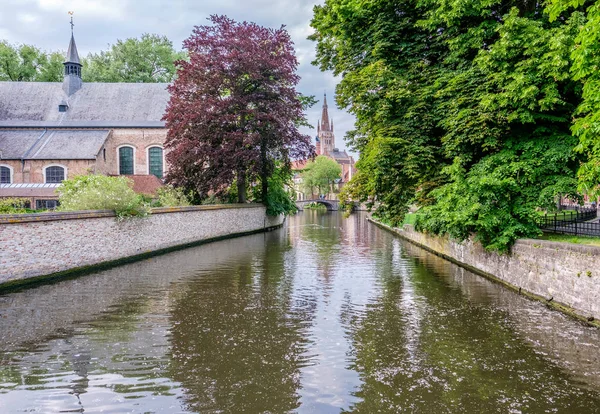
{"type": "Point", "coordinates": [234, 110]}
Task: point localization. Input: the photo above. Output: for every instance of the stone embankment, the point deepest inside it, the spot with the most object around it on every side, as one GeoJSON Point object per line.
{"type": "Point", "coordinates": [562, 275]}
{"type": "Point", "coordinates": [42, 246]}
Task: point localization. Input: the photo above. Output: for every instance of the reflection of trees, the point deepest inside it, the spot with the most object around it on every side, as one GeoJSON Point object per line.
{"type": "Point", "coordinates": [445, 354]}
{"type": "Point", "coordinates": [323, 232]}
{"type": "Point", "coordinates": [237, 337]}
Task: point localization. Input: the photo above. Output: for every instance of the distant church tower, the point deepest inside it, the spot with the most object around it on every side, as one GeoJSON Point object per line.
{"type": "Point", "coordinates": [72, 81]}
{"type": "Point", "coordinates": [325, 135]}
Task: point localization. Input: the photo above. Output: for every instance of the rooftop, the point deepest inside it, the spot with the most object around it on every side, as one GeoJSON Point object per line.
{"type": "Point", "coordinates": [95, 105]}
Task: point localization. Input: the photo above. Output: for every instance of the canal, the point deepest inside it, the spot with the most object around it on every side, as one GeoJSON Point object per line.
{"type": "Point", "coordinates": [326, 315]}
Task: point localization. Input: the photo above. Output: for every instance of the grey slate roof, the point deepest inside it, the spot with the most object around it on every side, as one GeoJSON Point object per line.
{"type": "Point", "coordinates": [51, 144]}
{"type": "Point", "coordinates": [72, 55]}
{"type": "Point", "coordinates": [338, 155]}
{"type": "Point", "coordinates": [95, 105]}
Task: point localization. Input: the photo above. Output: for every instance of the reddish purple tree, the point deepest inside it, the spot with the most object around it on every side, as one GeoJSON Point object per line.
{"type": "Point", "coordinates": [234, 111]}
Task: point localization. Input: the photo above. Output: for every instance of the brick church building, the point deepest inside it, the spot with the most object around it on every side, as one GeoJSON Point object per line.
{"type": "Point", "coordinates": [325, 144]}
{"type": "Point", "coordinates": [52, 131]}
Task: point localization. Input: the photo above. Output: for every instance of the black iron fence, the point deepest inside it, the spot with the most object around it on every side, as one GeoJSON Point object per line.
{"type": "Point", "coordinates": [578, 221]}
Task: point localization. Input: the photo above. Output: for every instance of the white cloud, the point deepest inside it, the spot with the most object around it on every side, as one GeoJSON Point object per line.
{"type": "Point", "coordinates": [112, 9]}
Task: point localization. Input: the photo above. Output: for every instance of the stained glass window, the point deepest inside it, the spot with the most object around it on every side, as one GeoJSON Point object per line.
{"type": "Point", "coordinates": [125, 160]}
{"type": "Point", "coordinates": [55, 174]}
{"type": "Point", "coordinates": [155, 160]}
{"type": "Point", "coordinates": [4, 175]}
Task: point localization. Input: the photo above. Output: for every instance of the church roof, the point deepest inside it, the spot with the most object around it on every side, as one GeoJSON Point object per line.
{"type": "Point", "coordinates": [95, 105]}
{"type": "Point", "coordinates": [338, 155]}
{"type": "Point", "coordinates": [51, 144]}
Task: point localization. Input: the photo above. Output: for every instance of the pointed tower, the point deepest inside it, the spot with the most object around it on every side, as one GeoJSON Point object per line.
{"type": "Point", "coordinates": [72, 79]}
{"type": "Point", "coordinates": [326, 142]}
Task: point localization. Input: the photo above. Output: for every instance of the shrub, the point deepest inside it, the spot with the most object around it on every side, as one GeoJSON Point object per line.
{"type": "Point", "coordinates": [13, 205]}
{"type": "Point", "coordinates": [169, 196]}
{"type": "Point", "coordinates": [100, 192]}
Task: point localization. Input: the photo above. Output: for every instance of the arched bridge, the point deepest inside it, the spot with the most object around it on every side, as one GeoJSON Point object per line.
{"type": "Point", "coordinates": [332, 205]}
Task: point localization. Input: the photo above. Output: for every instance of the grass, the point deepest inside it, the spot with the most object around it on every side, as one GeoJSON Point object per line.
{"type": "Point", "coordinates": [561, 215]}
{"type": "Point", "coordinates": [409, 218]}
{"type": "Point", "coordinates": [565, 238]}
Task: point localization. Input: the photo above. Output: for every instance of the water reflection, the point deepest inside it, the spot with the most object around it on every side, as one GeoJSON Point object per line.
{"type": "Point", "coordinates": [326, 315]}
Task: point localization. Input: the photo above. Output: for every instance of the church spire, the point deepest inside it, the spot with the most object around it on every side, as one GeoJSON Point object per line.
{"type": "Point", "coordinates": [72, 80]}
{"type": "Point", "coordinates": [325, 116]}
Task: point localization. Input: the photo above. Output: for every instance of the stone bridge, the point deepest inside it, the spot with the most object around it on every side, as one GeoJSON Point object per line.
{"type": "Point", "coordinates": [332, 205]}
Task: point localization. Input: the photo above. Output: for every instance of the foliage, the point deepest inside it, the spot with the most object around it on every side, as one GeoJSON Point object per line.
{"type": "Point", "coordinates": [13, 205]}
{"type": "Point", "coordinates": [320, 174]}
{"type": "Point", "coordinates": [27, 63]}
{"type": "Point", "coordinates": [463, 108]}
{"type": "Point", "coordinates": [151, 58]}
{"type": "Point", "coordinates": [586, 61]}
{"type": "Point", "coordinates": [280, 193]}
{"type": "Point", "coordinates": [169, 196]}
{"type": "Point", "coordinates": [234, 111]}
{"type": "Point", "coordinates": [101, 192]}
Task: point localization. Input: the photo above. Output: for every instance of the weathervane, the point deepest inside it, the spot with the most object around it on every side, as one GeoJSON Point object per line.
{"type": "Point", "coordinates": [72, 25]}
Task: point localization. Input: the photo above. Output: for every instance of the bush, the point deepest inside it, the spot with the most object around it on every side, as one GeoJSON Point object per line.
{"type": "Point", "coordinates": [169, 196]}
{"type": "Point", "coordinates": [13, 205]}
{"type": "Point", "coordinates": [280, 195]}
{"type": "Point", "coordinates": [100, 192]}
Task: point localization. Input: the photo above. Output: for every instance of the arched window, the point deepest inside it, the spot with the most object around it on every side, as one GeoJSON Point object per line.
{"type": "Point", "coordinates": [55, 174]}
{"type": "Point", "coordinates": [5, 175]}
{"type": "Point", "coordinates": [155, 161]}
{"type": "Point", "coordinates": [126, 164]}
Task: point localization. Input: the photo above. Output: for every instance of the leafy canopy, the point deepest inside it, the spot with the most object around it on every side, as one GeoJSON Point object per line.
{"type": "Point", "coordinates": [151, 58]}
{"type": "Point", "coordinates": [462, 107]}
{"type": "Point", "coordinates": [320, 174]}
{"type": "Point", "coordinates": [26, 63]}
{"type": "Point", "coordinates": [234, 111]}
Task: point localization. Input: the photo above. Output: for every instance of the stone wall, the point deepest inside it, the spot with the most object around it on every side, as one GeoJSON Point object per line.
{"type": "Point", "coordinates": [565, 276]}
{"type": "Point", "coordinates": [38, 245]}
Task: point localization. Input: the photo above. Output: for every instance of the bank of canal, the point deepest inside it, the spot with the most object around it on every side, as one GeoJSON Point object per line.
{"type": "Point", "coordinates": [325, 315]}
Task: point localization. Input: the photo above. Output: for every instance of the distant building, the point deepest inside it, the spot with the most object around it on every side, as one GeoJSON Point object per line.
{"type": "Point", "coordinates": [53, 131]}
{"type": "Point", "coordinates": [325, 144]}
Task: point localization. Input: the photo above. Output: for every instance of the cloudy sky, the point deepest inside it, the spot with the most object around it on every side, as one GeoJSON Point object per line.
{"type": "Point", "coordinates": [45, 23]}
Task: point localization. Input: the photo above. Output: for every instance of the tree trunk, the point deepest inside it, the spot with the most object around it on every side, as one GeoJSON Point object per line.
{"type": "Point", "coordinates": [264, 176]}
{"type": "Point", "coordinates": [241, 186]}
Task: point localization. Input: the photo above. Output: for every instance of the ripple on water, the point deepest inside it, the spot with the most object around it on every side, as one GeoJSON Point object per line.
{"type": "Point", "coordinates": [325, 315]}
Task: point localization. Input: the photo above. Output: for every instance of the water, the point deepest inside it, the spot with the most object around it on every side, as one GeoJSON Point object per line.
{"type": "Point", "coordinates": [327, 315]}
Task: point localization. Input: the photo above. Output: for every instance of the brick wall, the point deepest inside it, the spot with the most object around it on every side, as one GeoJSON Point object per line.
{"type": "Point", "coordinates": [566, 276]}
{"type": "Point", "coordinates": [42, 244]}
{"type": "Point", "coordinates": [140, 140]}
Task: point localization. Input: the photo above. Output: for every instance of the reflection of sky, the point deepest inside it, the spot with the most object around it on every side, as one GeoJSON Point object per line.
{"type": "Point", "coordinates": [99, 398]}
{"type": "Point", "coordinates": [342, 281]}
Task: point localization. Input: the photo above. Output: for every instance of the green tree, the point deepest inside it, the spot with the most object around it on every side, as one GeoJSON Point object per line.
{"type": "Point", "coordinates": [27, 63]}
{"type": "Point", "coordinates": [151, 58]}
{"type": "Point", "coordinates": [320, 174]}
{"type": "Point", "coordinates": [586, 61]}
{"type": "Point", "coordinates": [462, 107]}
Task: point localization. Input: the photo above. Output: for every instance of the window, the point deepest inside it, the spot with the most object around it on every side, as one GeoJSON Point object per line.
{"type": "Point", "coordinates": [5, 177]}
{"type": "Point", "coordinates": [126, 160]}
{"type": "Point", "coordinates": [46, 204]}
{"type": "Point", "coordinates": [55, 174]}
{"type": "Point", "coordinates": [155, 161]}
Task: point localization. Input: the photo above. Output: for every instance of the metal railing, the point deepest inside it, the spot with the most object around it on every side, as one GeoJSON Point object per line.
{"type": "Point", "coordinates": [574, 221]}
